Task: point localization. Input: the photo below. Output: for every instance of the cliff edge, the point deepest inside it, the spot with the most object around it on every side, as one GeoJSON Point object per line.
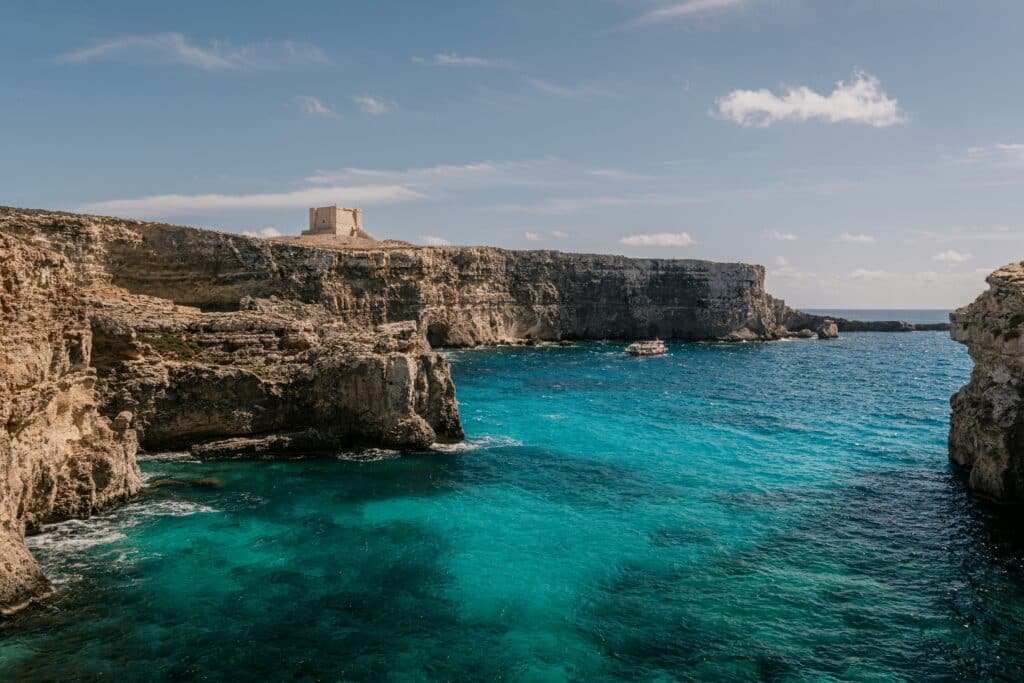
{"type": "Point", "coordinates": [986, 432]}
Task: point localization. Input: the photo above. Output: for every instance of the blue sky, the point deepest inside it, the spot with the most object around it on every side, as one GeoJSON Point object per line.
{"type": "Point", "coordinates": [869, 153]}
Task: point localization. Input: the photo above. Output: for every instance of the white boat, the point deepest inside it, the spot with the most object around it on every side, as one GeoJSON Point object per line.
{"type": "Point", "coordinates": [652, 347]}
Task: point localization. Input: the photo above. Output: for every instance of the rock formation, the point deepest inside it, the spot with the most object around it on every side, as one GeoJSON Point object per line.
{"type": "Point", "coordinates": [89, 367]}
{"type": "Point", "coordinates": [986, 432]}
{"type": "Point", "coordinates": [59, 457]}
{"type": "Point", "coordinates": [461, 296]}
{"type": "Point", "coordinates": [118, 332]}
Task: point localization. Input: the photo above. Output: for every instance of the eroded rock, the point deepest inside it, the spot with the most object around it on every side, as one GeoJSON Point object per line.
{"type": "Point", "coordinates": [986, 434]}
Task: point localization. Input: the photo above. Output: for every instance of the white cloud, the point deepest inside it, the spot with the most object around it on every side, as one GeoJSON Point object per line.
{"type": "Point", "coordinates": [865, 274]}
{"type": "Point", "coordinates": [855, 239]}
{"type": "Point", "coordinates": [557, 206]}
{"type": "Point", "coordinates": [434, 241]}
{"type": "Point", "coordinates": [614, 174]}
{"type": "Point", "coordinates": [690, 9]}
{"type": "Point", "coordinates": [532, 237]}
{"type": "Point", "coordinates": [780, 236]}
{"type": "Point", "coordinates": [452, 59]}
{"type": "Point", "coordinates": [952, 256]}
{"type": "Point", "coordinates": [560, 234]}
{"type": "Point", "coordinates": [174, 48]}
{"type": "Point", "coordinates": [374, 106]}
{"type": "Point", "coordinates": [862, 100]}
{"type": "Point", "coordinates": [567, 91]}
{"type": "Point", "coordinates": [448, 176]}
{"type": "Point", "coordinates": [263, 232]}
{"type": "Point", "coordinates": [659, 239]}
{"type": "Point", "coordinates": [1000, 154]}
{"type": "Point", "coordinates": [177, 204]}
{"type": "Point", "coordinates": [786, 271]}
{"type": "Point", "coordinates": [314, 107]}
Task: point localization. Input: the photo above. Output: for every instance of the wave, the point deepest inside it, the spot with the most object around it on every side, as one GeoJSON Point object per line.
{"type": "Point", "coordinates": [166, 456]}
{"type": "Point", "coordinates": [476, 444]}
{"type": "Point", "coordinates": [370, 455]}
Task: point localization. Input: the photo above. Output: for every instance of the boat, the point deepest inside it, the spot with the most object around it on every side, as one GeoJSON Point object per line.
{"type": "Point", "coordinates": [651, 347]}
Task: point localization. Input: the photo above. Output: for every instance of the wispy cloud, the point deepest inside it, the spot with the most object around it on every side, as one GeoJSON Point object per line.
{"type": "Point", "coordinates": [861, 100]}
{"type": "Point", "coordinates": [452, 59]}
{"type": "Point", "coordinates": [262, 232]}
{"type": "Point", "coordinates": [682, 11]}
{"type": "Point", "coordinates": [566, 205]}
{"type": "Point", "coordinates": [448, 176]}
{"type": "Point", "coordinates": [659, 239]}
{"type": "Point", "coordinates": [849, 238]}
{"type": "Point", "coordinates": [567, 91]}
{"type": "Point", "coordinates": [314, 107]}
{"type": "Point", "coordinates": [532, 237]}
{"type": "Point", "coordinates": [615, 174]}
{"type": "Point", "coordinates": [952, 256]}
{"type": "Point", "coordinates": [786, 271]}
{"type": "Point", "coordinates": [175, 48]}
{"type": "Point", "coordinates": [866, 274]}
{"type": "Point", "coordinates": [434, 241]}
{"type": "Point", "coordinates": [374, 106]}
{"type": "Point", "coordinates": [178, 204]}
{"type": "Point", "coordinates": [1000, 154]}
{"type": "Point", "coordinates": [560, 234]}
{"type": "Point", "coordinates": [780, 236]}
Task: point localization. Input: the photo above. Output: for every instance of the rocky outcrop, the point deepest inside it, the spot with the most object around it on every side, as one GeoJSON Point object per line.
{"type": "Point", "coordinates": [59, 457]}
{"type": "Point", "coordinates": [89, 367]}
{"type": "Point", "coordinates": [460, 296]}
{"type": "Point", "coordinates": [986, 433]}
{"type": "Point", "coordinates": [273, 368]}
{"type": "Point", "coordinates": [793, 319]}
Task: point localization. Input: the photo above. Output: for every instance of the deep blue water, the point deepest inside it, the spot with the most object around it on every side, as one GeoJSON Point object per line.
{"type": "Point", "coordinates": [743, 512]}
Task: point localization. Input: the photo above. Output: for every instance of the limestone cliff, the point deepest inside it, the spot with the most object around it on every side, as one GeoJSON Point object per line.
{"type": "Point", "coordinates": [460, 296]}
{"type": "Point", "coordinates": [88, 368]}
{"type": "Point", "coordinates": [59, 457]}
{"type": "Point", "coordinates": [986, 434]}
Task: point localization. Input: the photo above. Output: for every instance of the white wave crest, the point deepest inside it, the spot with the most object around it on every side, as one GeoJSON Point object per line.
{"type": "Point", "coordinates": [476, 444]}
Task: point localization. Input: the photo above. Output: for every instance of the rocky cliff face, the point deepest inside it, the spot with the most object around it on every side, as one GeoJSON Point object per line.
{"type": "Point", "coordinates": [986, 434]}
{"type": "Point", "coordinates": [89, 367]}
{"type": "Point", "coordinates": [117, 332]}
{"type": "Point", "coordinates": [460, 296]}
{"type": "Point", "coordinates": [59, 457]}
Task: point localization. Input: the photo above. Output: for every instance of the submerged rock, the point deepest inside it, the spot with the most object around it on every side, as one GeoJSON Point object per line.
{"type": "Point", "coordinates": [986, 432]}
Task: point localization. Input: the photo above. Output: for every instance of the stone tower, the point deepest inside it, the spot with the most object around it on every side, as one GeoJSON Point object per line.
{"type": "Point", "coordinates": [339, 221]}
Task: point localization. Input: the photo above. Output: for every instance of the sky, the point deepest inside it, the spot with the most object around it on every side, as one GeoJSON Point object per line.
{"type": "Point", "coordinates": [870, 153]}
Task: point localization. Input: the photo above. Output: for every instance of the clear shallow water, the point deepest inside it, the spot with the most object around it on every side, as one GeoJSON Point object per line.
{"type": "Point", "coordinates": [730, 512]}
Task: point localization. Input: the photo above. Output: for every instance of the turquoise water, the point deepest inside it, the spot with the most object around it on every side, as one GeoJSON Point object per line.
{"type": "Point", "coordinates": [742, 512]}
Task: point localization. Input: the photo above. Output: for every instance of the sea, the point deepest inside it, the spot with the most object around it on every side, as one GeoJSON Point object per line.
{"type": "Point", "coordinates": [777, 511]}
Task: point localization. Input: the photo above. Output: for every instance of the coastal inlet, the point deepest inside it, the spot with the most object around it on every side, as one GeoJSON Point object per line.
{"type": "Point", "coordinates": [779, 511]}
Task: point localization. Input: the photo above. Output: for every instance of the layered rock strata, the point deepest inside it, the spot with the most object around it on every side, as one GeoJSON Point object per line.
{"type": "Point", "coordinates": [460, 296]}
{"type": "Point", "coordinates": [986, 433]}
{"type": "Point", "coordinates": [59, 456]}
{"type": "Point", "coordinates": [89, 368]}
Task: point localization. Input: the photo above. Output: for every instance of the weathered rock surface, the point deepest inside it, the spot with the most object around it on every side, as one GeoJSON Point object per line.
{"type": "Point", "coordinates": [118, 331]}
{"type": "Point", "coordinates": [986, 433]}
{"type": "Point", "coordinates": [799, 320]}
{"type": "Point", "coordinates": [59, 457]}
{"type": "Point", "coordinates": [88, 368]}
{"type": "Point", "coordinates": [460, 296]}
